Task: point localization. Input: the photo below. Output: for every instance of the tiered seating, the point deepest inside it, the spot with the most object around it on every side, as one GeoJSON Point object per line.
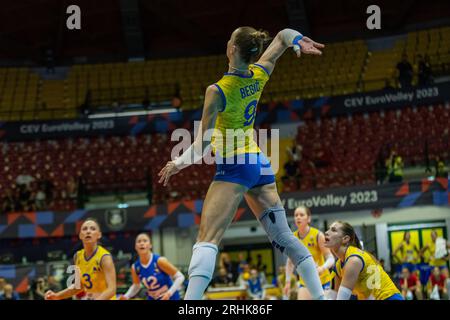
{"type": "Point", "coordinates": [345, 149]}
{"type": "Point", "coordinates": [18, 93]}
{"type": "Point", "coordinates": [382, 64]}
{"type": "Point", "coordinates": [155, 80]}
{"type": "Point", "coordinates": [158, 80]}
{"type": "Point", "coordinates": [336, 72]}
{"type": "Point", "coordinates": [343, 152]}
{"type": "Point", "coordinates": [107, 165]}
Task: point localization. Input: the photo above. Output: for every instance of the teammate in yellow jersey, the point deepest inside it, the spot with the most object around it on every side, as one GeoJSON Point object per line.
{"type": "Point", "coordinates": [410, 254]}
{"type": "Point", "coordinates": [97, 274]}
{"type": "Point", "coordinates": [439, 257]}
{"type": "Point", "coordinates": [314, 240]}
{"type": "Point", "coordinates": [357, 271]}
{"type": "Point", "coordinates": [230, 107]}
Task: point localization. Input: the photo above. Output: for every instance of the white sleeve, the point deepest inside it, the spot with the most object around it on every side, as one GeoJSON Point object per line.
{"type": "Point", "coordinates": [196, 151]}
{"type": "Point", "coordinates": [133, 290]}
{"type": "Point", "coordinates": [344, 293]}
{"type": "Point", "coordinates": [329, 262]}
{"type": "Point", "coordinates": [178, 280]}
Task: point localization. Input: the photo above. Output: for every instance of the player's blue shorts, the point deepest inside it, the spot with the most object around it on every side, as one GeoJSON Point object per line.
{"type": "Point", "coordinates": [396, 296]}
{"type": "Point", "coordinates": [325, 286]}
{"type": "Point", "coordinates": [250, 170]}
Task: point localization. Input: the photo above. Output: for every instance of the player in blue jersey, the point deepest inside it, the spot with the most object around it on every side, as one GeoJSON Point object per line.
{"type": "Point", "coordinates": [229, 112]}
{"type": "Point", "coordinates": [160, 278]}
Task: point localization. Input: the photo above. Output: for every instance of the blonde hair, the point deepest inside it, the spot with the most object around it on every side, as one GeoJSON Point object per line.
{"type": "Point", "coordinates": [251, 43]}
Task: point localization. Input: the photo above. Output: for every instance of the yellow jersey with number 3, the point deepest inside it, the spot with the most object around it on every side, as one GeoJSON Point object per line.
{"type": "Point", "coordinates": [240, 95]}
{"type": "Point", "coordinates": [92, 276]}
{"type": "Point", "coordinates": [311, 241]}
{"type": "Point", "coordinates": [373, 282]}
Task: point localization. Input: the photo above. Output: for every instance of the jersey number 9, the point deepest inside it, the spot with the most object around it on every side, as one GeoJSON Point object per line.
{"type": "Point", "coordinates": [250, 113]}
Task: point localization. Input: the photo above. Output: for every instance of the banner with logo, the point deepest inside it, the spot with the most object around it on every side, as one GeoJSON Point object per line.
{"type": "Point", "coordinates": [271, 113]}
{"type": "Point", "coordinates": [185, 214]}
{"type": "Point", "coordinates": [387, 99]}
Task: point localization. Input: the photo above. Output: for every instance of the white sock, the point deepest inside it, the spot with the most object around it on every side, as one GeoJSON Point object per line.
{"type": "Point", "coordinates": [308, 271]}
{"type": "Point", "coordinates": [201, 269]}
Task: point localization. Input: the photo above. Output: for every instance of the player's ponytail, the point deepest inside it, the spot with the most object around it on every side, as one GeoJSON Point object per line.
{"type": "Point", "coordinates": [251, 43]}
{"type": "Point", "coordinates": [348, 230]}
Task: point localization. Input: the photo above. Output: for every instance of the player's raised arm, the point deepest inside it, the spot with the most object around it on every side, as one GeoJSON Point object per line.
{"type": "Point", "coordinates": [213, 104]}
{"type": "Point", "coordinates": [287, 38]}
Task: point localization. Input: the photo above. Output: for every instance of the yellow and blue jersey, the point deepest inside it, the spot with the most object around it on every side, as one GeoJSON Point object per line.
{"type": "Point", "coordinates": [373, 282]}
{"type": "Point", "coordinates": [92, 276]}
{"type": "Point", "coordinates": [240, 95]}
{"type": "Point", "coordinates": [311, 241]}
{"type": "Point", "coordinates": [433, 260]}
{"type": "Point", "coordinates": [409, 253]}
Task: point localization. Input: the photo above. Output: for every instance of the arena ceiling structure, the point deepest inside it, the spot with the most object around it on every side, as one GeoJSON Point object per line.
{"type": "Point", "coordinates": [114, 30]}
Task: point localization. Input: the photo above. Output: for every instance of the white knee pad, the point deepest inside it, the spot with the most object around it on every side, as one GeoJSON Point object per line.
{"type": "Point", "coordinates": [276, 226]}
{"type": "Point", "coordinates": [203, 260]}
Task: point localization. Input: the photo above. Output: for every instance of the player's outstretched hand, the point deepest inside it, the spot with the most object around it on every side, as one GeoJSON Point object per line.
{"type": "Point", "coordinates": [50, 295]}
{"type": "Point", "coordinates": [308, 46]}
{"type": "Point", "coordinates": [122, 297]}
{"type": "Point", "coordinates": [169, 170]}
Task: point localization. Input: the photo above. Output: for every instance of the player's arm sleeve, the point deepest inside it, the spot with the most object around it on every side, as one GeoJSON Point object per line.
{"type": "Point", "coordinates": [135, 287]}
{"type": "Point", "coordinates": [171, 270]}
{"type": "Point", "coordinates": [178, 279]}
{"type": "Point", "coordinates": [213, 104]}
{"type": "Point", "coordinates": [283, 40]}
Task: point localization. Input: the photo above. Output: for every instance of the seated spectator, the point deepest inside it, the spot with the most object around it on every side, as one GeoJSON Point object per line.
{"type": "Point", "coordinates": [223, 279]}
{"type": "Point", "coordinates": [38, 289]}
{"type": "Point", "coordinates": [9, 293]}
{"type": "Point", "coordinates": [410, 285]}
{"type": "Point", "coordinates": [72, 188]}
{"type": "Point", "coordinates": [24, 179]}
{"type": "Point", "coordinates": [8, 203]}
{"type": "Point", "coordinates": [439, 280]}
{"type": "Point", "coordinates": [40, 198]}
{"type": "Point", "coordinates": [295, 152]}
{"type": "Point", "coordinates": [255, 286]}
